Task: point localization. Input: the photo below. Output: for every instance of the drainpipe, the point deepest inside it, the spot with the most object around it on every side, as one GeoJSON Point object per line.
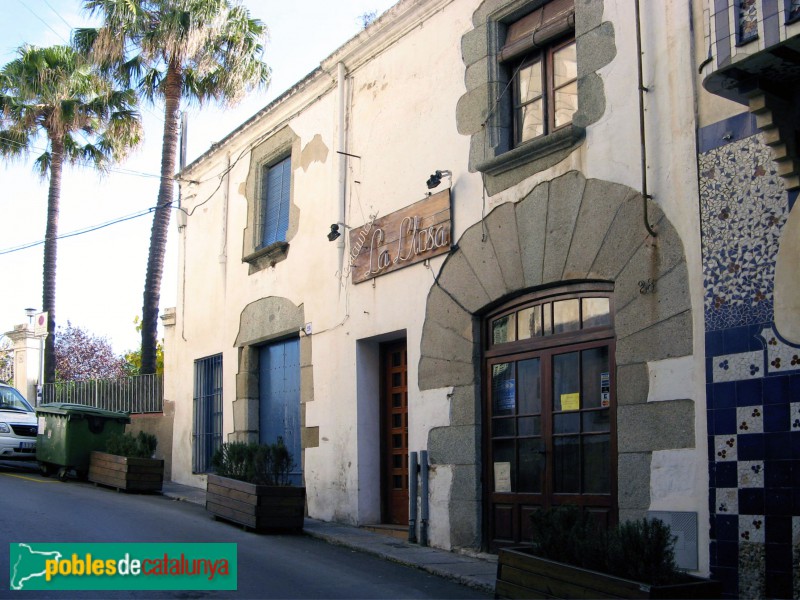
{"type": "Point", "coordinates": [413, 469]}
{"type": "Point", "coordinates": [642, 90]}
{"type": "Point", "coordinates": [423, 523]}
{"type": "Point", "coordinates": [340, 88]}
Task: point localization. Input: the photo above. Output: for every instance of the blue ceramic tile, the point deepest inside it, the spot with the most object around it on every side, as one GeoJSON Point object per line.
{"type": "Point", "coordinates": [795, 473]}
{"type": "Point", "coordinates": [750, 446]}
{"type": "Point", "coordinates": [714, 343]}
{"type": "Point", "coordinates": [724, 132]}
{"type": "Point", "coordinates": [796, 501]}
{"type": "Point", "coordinates": [725, 394]}
{"type": "Point", "coordinates": [726, 474]}
{"type": "Point", "coordinates": [792, 197]}
{"type": "Point", "coordinates": [751, 501]}
{"type": "Point", "coordinates": [776, 389]}
{"type": "Point", "coordinates": [778, 502]}
{"type": "Point", "coordinates": [778, 446]}
{"type": "Point", "coordinates": [779, 558]}
{"type": "Point", "coordinates": [729, 577]}
{"type": "Point", "coordinates": [724, 421]}
{"type": "Point", "coordinates": [777, 473]}
{"type": "Point", "coordinates": [709, 393]}
{"type": "Point", "coordinates": [748, 392]}
{"type": "Point", "coordinates": [712, 456]}
{"type": "Point", "coordinates": [778, 585]}
{"type": "Point", "coordinates": [779, 529]}
{"type": "Point", "coordinates": [776, 417]}
{"type": "Point", "coordinates": [727, 554]}
{"type": "Point", "coordinates": [727, 528]}
{"type": "Point", "coordinates": [794, 436]}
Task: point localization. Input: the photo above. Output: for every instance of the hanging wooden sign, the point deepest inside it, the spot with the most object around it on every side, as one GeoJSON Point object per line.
{"type": "Point", "coordinates": [401, 239]}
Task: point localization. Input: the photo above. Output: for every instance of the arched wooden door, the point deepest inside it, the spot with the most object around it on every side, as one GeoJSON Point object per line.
{"type": "Point", "coordinates": [549, 426]}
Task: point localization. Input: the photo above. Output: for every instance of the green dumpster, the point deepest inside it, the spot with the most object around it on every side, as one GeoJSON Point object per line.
{"type": "Point", "coordinates": [68, 433]}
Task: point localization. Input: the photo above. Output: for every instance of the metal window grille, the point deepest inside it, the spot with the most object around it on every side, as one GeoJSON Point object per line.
{"type": "Point", "coordinates": [207, 429]}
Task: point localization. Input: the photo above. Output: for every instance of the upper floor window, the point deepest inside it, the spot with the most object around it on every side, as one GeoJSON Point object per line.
{"type": "Point", "coordinates": [272, 215]}
{"type": "Point", "coordinates": [276, 185]}
{"type": "Point", "coordinates": [539, 55]}
{"type": "Point", "coordinates": [545, 92]}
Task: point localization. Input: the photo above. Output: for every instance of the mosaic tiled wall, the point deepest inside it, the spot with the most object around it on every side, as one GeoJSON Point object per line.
{"type": "Point", "coordinates": [752, 374]}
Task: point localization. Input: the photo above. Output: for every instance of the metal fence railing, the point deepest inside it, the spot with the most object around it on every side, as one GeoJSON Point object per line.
{"type": "Point", "coordinates": [138, 394]}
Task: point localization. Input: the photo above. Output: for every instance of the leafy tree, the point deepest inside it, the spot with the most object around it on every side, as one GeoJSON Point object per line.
{"type": "Point", "coordinates": [81, 355]}
{"type": "Point", "coordinates": [133, 358]}
{"type": "Point", "coordinates": [175, 50]}
{"type": "Point", "coordinates": [54, 97]}
{"type": "Point", "coordinates": [6, 360]}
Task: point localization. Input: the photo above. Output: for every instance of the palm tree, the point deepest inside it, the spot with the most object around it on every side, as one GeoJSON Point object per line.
{"type": "Point", "coordinates": [56, 98]}
{"type": "Point", "coordinates": [174, 50]}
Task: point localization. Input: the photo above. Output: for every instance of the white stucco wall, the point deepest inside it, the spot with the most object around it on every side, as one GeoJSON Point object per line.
{"type": "Point", "coordinates": [401, 96]}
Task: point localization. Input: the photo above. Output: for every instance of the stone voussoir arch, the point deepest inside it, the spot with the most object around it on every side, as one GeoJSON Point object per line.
{"type": "Point", "coordinates": [568, 229]}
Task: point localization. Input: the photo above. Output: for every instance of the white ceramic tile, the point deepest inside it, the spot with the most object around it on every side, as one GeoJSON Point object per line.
{"type": "Point", "coordinates": [751, 528]}
{"type": "Point", "coordinates": [725, 448]}
{"type": "Point", "coordinates": [735, 367]}
{"type": "Point", "coordinates": [750, 419]}
{"type": "Point", "coordinates": [727, 501]}
{"type": "Point", "coordinates": [751, 473]}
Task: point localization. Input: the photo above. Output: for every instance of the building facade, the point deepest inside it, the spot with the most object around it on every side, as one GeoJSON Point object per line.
{"type": "Point", "coordinates": [517, 240]}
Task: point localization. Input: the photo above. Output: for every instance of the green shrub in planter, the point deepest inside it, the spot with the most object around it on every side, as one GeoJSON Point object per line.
{"type": "Point", "coordinates": [263, 464]}
{"type": "Point", "coordinates": [128, 463]}
{"type": "Point", "coordinates": [251, 486]}
{"type": "Point", "coordinates": [642, 550]}
{"type": "Point", "coordinates": [142, 445]}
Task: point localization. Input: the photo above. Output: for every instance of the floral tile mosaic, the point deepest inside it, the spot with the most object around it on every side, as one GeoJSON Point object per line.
{"type": "Point", "coordinates": [794, 416]}
{"type": "Point", "coordinates": [727, 501]}
{"type": "Point", "coordinates": [743, 209]}
{"type": "Point", "coordinates": [751, 528]}
{"type": "Point", "coordinates": [725, 447]}
{"type": "Point", "coordinates": [735, 367]}
{"type": "Point", "coordinates": [781, 356]}
{"type": "Point", "coordinates": [750, 419]}
{"type": "Point", "coordinates": [748, 20]}
{"type": "Point", "coordinates": [751, 473]}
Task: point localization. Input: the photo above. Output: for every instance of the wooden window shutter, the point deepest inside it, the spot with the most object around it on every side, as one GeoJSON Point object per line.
{"type": "Point", "coordinates": [538, 28]}
{"type": "Point", "coordinates": [275, 194]}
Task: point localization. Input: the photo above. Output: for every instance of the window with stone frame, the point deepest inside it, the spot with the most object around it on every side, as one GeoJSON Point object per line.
{"type": "Point", "coordinates": [272, 216]}
{"type": "Point", "coordinates": [545, 91]}
{"type": "Point", "coordinates": [539, 57]}
{"type": "Point", "coordinates": [276, 180]}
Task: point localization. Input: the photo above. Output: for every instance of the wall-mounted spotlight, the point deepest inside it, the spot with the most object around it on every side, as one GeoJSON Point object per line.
{"type": "Point", "coordinates": [435, 179]}
{"type": "Point", "coordinates": [334, 234]}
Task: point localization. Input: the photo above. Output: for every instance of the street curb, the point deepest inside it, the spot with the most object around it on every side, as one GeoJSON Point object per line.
{"type": "Point", "coordinates": [466, 580]}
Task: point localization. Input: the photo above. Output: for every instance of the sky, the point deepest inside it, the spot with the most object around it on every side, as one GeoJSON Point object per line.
{"type": "Point", "coordinates": [100, 274]}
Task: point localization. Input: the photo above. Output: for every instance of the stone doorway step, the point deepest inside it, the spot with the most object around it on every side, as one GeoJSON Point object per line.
{"type": "Point", "coordinates": [396, 531]}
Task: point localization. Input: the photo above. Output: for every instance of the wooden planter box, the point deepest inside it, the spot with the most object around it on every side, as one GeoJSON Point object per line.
{"type": "Point", "coordinates": [256, 507]}
{"type": "Point", "coordinates": [520, 574]}
{"type": "Point", "coordinates": [125, 473]}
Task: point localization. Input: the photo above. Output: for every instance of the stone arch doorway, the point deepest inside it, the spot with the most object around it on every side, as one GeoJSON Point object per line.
{"type": "Point", "coordinates": [568, 229]}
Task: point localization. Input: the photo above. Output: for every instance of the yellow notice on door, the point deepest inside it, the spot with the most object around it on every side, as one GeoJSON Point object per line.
{"type": "Point", "coordinates": [570, 401]}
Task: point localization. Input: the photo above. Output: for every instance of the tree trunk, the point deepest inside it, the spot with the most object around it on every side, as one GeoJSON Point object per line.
{"type": "Point", "coordinates": [158, 234]}
{"type": "Point", "coordinates": [50, 259]}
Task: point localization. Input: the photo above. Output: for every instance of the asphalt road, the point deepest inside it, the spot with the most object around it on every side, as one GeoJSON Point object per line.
{"type": "Point", "coordinates": [38, 509]}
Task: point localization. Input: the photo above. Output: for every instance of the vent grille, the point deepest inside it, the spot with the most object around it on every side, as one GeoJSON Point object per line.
{"type": "Point", "coordinates": [684, 527]}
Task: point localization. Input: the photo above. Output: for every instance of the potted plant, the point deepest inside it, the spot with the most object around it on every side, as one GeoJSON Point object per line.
{"type": "Point", "coordinates": [128, 463]}
{"type": "Point", "coordinates": [573, 557]}
{"type": "Point", "coordinates": [251, 486]}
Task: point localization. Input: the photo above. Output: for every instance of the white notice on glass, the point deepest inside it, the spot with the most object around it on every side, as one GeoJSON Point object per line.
{"type": "Point", "coordinates": [502, 477]}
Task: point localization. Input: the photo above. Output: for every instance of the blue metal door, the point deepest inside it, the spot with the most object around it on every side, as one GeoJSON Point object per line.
{"type": "Point", "coordinates": [279, 393]}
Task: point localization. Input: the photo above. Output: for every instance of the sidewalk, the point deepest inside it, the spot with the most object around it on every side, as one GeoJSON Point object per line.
{"type": "Point", "coordinates": [472, 571]}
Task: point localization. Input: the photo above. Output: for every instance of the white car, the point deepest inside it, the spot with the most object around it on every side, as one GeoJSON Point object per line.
{"type": "Point", "coordinates": [18, 426]}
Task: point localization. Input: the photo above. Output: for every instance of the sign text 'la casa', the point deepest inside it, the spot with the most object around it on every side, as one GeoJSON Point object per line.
{"type": "Point", "coordinates": [403, 238]}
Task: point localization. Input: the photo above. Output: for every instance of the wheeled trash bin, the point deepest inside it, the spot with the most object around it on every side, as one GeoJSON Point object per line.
{"type": "Point", "coordinates": [68, 433]}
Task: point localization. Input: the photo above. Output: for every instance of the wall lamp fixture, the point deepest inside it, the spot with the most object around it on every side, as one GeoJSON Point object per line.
{"type": "Point", "coordinates": [335, 234]}
{"type": "Point", "coordinates": [435, 179]}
